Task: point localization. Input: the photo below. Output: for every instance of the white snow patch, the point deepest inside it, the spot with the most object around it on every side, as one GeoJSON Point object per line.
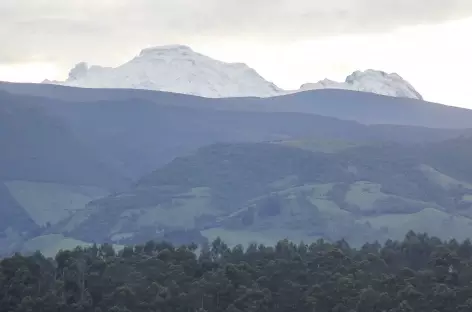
{"type": "Point", "coordinates": [179, 69]}
{"type": "Point", "coordinates": [373, 81]}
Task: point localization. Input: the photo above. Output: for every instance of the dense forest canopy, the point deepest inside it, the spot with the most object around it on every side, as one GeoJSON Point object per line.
{"type": "Point", "coordinates": [420, 273]}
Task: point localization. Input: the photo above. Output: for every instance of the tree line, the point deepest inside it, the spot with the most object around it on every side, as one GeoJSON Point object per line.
{"type": "Point", "coordinates": [420, 273]}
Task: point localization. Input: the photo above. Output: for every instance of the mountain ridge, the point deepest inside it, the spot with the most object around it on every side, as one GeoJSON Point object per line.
{"type": "Point", "coordinates": [374, 81]}
{"type": "Point", "coordinates": [363, 107]}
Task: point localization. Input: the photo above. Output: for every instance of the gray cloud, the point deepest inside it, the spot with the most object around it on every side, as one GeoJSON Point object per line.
{"type": "Point", "coordinates": [60, 30]}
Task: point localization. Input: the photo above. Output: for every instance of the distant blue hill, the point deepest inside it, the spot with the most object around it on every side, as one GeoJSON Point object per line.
{"type": "Point", "coordinates": [367, 108]}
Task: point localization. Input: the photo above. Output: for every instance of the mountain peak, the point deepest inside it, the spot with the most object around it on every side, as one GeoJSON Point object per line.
{"type": "Point", "coordinates": [172, 48]}
{"type": "Point", "coordinates": [370, 80]}
{"type": "Point", "coordinates": [383, 83]}
{"type": "Point", "coordinates": [177, 68]}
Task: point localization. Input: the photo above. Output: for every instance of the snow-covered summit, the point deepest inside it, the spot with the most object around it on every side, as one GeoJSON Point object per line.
{"type": "Point", "coordinates": [175, 68]}
{"type": "Point", "coordinates": [370, 80]}
{"type": "Point", "coordinates": [179, 69]}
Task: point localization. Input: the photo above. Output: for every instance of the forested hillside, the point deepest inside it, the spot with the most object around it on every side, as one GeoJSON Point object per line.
{"type": "Point", "coordinates": [420, 274]}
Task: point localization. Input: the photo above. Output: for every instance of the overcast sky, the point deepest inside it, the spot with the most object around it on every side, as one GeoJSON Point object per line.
{"type": "Point", "coordinates": [289, 42]}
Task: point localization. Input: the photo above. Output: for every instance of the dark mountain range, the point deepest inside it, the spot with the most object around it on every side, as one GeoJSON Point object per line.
{"type": "Point", "coordinates": [363, 107]}
{"type": "Point", "coordinates": [37, 146]}
{"type": "Point", "coordinates": [136, 134]}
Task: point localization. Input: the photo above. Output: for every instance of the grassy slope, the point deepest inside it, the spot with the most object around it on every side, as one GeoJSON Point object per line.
{"type": "Point", "coordinates": [12, 214]}
{"type": "Point", "coordinates": [52, 202]}
{"type": "Point", "coordinates": [265, 192]}
{"type": "Point", "coordinates": [49, 245]}
{"type": "Point", "coordinates": [322, 145]}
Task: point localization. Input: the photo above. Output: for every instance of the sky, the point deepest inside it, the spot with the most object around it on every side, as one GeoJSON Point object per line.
{"type": "Point", "coordinates": [289, 42]}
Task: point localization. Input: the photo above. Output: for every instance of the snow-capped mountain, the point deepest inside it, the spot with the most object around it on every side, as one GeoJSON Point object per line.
{"type": "Point", "coordinates": [373, 81]}
{"type": "Point", "coordinates": [175, 68]}
{"type": "Point", "coordinates": [179, 69]}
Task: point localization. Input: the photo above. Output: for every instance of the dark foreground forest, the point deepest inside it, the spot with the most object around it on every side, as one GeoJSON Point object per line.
{"type": "Point", "coordinates": [420, 273]}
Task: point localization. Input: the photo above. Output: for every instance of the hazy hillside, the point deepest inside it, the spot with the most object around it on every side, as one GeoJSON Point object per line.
{"type": "Point", "coordinates": [36, 146]}
{"type": "Point", "coordinates": [45, 171]}
{"type": "Point", "coordinates": [12, 215]}
{"type": "Point", "coordinates": [136, 136]}
{"type": "Point", "coordinates": [267, 192]}
{"type": "Point", "coordinates": [70, 147]}
{"type": "Point", "coordinates": [344, 104]}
